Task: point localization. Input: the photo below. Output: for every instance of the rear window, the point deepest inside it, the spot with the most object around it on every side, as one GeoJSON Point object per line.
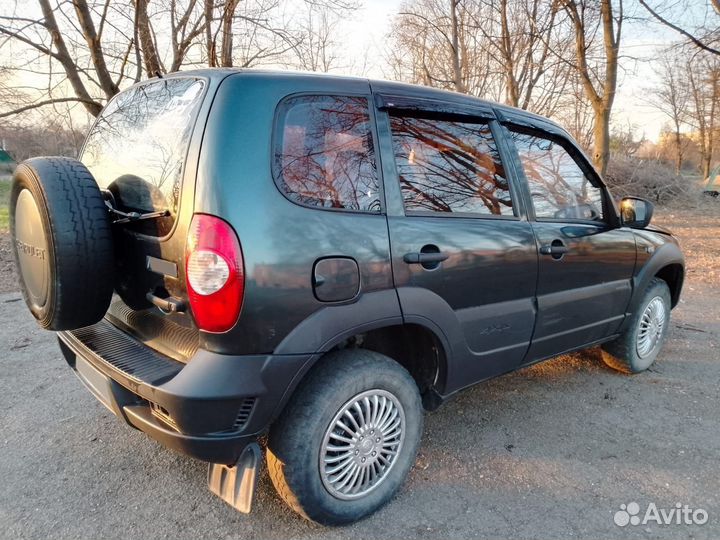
{"type": "Point", "coordinates": [137, 147]}
{"type": "Point", "coordinates": [324, 153]}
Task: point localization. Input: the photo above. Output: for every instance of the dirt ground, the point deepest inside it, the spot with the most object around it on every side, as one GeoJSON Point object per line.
{"type": "Point", "coordinates": [553, 450]}
{"type": "Point", "coordinates": [8, 279]}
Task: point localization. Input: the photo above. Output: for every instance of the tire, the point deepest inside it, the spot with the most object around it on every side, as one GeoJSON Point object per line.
{"type": "Point", "coordinates": [628, 353]}
{"type": "Point", "coordinates": [62, 242]}
{"type": "Point", "coordinates": [296, 443]}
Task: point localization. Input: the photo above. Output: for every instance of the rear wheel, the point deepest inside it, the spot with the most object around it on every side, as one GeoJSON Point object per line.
{"type": "Point", "coordinates": [638, 347]}
{"type": "Point", "coordinates": [347, 439]}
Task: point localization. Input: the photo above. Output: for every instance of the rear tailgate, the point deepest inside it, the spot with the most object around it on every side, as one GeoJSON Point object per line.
{"type": "Point", "coordinates": [142, 151]}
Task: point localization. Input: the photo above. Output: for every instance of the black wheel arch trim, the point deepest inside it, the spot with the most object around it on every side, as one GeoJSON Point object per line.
{"type": "Point", "coordinates": [664, 256]}
{"type": "Point", "coordinates": [331, 325]}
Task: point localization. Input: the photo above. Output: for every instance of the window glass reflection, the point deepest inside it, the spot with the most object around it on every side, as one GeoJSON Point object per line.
{"type": "Point", "coordinates": [559, 187]}
{"type": "Point", "coordinates": [447, 166]}
{"type": "Point", "coordinates": [139, 143]}
{"type": "Point", "coordinates": [325, 156]}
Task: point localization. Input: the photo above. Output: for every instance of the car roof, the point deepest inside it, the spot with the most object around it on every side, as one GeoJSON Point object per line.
{"type": "Point", "coordinates": [380, 86]}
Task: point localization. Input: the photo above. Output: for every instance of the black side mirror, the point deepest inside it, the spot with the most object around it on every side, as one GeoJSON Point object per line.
{"type": "Point", "coordinates": [636, 212]}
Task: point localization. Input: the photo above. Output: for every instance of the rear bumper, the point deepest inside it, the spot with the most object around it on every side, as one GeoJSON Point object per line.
{"type": "Point", "coordinates": [210, 408]}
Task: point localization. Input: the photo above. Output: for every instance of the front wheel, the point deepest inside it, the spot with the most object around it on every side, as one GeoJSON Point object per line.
{"type": "Point", "coordinates": [347, 439]}
{"type": "Point", "coordinates": [639, 345]}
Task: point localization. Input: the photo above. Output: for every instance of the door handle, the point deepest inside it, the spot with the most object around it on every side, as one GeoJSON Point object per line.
{"type": "Point", "coordinates": [556, 249]}
{"type": "Point", "coordinates": [424, 258]}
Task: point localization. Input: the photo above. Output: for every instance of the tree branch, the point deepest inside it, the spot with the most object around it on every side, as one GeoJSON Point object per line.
{"type": "Point", "coordinates": [43, 103]}
{"type": "Point", "coordinates": [696, 41]}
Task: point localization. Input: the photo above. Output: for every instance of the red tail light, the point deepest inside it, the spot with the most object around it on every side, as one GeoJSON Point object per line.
{"type": "Point", "coordinates": [215, 273]}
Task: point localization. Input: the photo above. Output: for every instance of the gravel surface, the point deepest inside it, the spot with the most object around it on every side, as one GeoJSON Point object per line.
{"type": "Point", "coordinates": [550, 451]}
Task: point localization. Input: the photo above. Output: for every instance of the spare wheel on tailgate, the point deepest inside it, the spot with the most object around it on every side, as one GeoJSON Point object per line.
{"type": "Point", "coordinates": [62, 242]}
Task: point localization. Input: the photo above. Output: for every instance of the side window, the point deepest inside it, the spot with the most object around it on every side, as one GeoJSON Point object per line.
{"type": "Point", "coordinates": [324, 154]}
{"type": "Point", "coordinates": [450, 167]}
{"type": "Point", "coordinates": [558, 186]}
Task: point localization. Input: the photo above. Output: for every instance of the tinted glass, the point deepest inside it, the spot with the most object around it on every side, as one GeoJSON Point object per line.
{"type": "Point", "coordinates": [559, 187]}
{"type": "Point", "coordinates": [139, 143]}
{"type": "Point", "coordinates": [447, 166]}
{"type": "Point", "coordinates": [325, 156]}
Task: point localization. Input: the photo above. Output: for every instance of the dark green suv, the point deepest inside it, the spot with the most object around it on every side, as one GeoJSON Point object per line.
{"type": "Point", "coordinates": [318, 259]}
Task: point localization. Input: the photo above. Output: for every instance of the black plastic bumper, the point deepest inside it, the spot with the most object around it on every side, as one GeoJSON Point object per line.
{"type": "Point", "coordinates": [209, 408]}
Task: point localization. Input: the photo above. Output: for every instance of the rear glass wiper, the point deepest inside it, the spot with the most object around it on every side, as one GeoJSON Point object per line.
{"type": "Point", "coordinates": [128, 217]}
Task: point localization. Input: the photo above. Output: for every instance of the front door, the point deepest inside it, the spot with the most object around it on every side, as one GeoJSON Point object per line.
{"type": "Point", "coordinates": [586, 263]}
{"type": "Point", "coordinates": [462, 251]}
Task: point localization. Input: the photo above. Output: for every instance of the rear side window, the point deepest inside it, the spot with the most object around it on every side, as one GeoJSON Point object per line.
{"type": "Point", "coordinates": [449, 167]}
{"type": "Point", "coordinates": [324, 153]}
{"type": "Point", "coordinates": [137, 147]}
{"type": "Point", "coordinates": [559, 187]}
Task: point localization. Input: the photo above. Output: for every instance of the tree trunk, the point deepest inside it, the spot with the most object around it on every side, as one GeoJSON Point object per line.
{"type": "Point", "coordinates": [96, 53]}
{"type": "Point", "coordinates": [457, 72]}
{"type": "Point", "coordinates": [715, 81]}
{"type": "Point", "coordinates": [136, 44]}
{"type": "Point", "coordinates": [226, 57]}
{"type": "Point", "coordinates": [209, 39]}
{"type": "Point", "coordinates": [512, 92]}
{"type": "Point", "coordinates": [602, 98]}
{"type": "Point", "coordinates": [678, 150]}
{"type": "Point", "coordinates": [147, 44]}
{"type": "Point", "coordinates": [63, 56]}
{"type": "Point", "coordinates": [612, 48]}
{"type": "Point", "coordinates": [601, 136]}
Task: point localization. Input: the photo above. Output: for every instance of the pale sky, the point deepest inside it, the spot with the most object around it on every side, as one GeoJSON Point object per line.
{"type": "Point", "coordinates": [639, 40]}
{"type": "Point", "coordinates": [364, 40]}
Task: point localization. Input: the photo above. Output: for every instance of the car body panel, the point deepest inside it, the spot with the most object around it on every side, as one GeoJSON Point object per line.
{"type": "Point", "coordinates": [281, 240]}
{"type": "Point", "coordinates": [581, 297]}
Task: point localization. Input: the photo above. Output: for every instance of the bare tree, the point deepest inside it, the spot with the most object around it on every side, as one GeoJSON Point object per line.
{"type": "Point", "coordinates": [498, 49]}
{"type": "Point", "coordinates": [671, 97]}
{"type": "Point", "coordinates": [455, 46]}
{"type": "Point", "coordinates": [82, 45]}
{"type": "Point", "coordinates": [598, 76]}
{"type": "Point", "coordinates": [624, 142]}
{"type": "Point", "coordinates": [153, 65]}
{"type": "Point", "coordinates": [226, 30]}
{"type": "Point", "coordinates": [187, 23]}
{"type": "Point", "coordinates": [318, 51]}
{"type": "Point", "coordinates": [703, 76]}
{"type": "Point", "coordinates": [526, 38]}
{"type": "Point", "coordinates": [87, 49]}
{"type": "Point", "coordinates": [435, 43]}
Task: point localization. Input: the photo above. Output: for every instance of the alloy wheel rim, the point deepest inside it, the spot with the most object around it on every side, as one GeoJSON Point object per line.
{"type": "Point", "coordinates": [361, 444]}
{"type": "Point", "coordinates": [652, 324]}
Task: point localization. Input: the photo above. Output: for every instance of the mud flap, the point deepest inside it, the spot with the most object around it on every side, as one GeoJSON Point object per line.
{"type": "Point", "coordinates": [236, 485]}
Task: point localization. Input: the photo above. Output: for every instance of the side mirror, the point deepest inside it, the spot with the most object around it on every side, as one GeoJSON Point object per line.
{"type": "Point", "coordinates": [635, 212]}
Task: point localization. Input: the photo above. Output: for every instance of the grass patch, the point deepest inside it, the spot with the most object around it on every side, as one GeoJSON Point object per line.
{"type": "Point", "coordinates": [4, 199]}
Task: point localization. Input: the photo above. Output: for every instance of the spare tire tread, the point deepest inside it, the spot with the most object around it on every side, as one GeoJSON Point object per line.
{"type": "Point", "coordinates": [79, 240]}
{"type": "Point", "coordinates": [91, 236]}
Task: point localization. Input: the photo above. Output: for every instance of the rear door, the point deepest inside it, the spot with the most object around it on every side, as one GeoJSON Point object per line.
{"type": "Point", "coordinates": [586, 262]}
{"type": "Point", "coordinates": [142, 151]}
{"type": "Point", "coordinates": [463, 254]}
